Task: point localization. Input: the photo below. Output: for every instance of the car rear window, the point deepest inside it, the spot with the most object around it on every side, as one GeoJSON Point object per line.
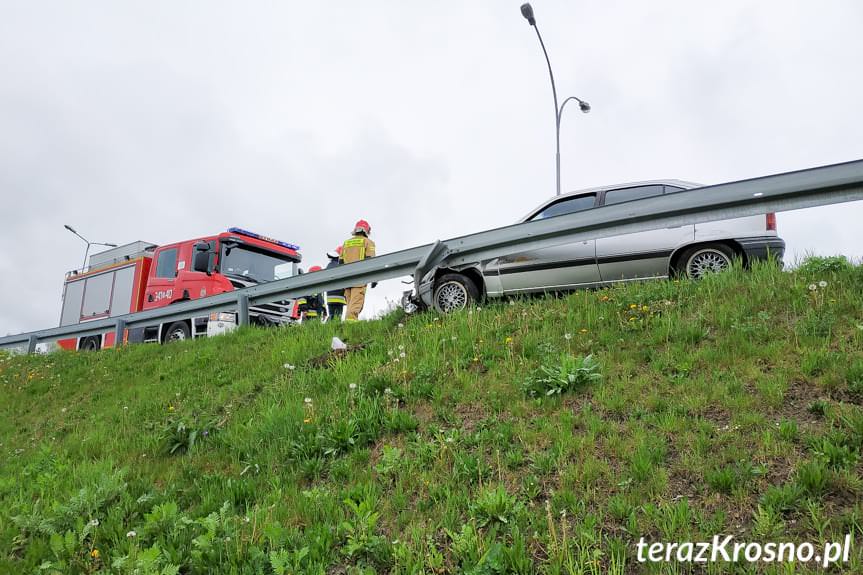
{"type": "Point", "coordinates": [627, 194]}
{"type": "Point", "coordinates": [567, 206]}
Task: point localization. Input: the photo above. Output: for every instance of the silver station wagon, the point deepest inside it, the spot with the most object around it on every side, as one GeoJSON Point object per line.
{"type": "Point", "coordinates": [690, 250]}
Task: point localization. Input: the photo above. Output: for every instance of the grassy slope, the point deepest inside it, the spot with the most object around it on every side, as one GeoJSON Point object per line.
{"type": "Point", "coordinates": [726, 406]}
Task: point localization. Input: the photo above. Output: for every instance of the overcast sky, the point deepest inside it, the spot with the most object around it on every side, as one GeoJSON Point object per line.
{"type": "Point", "coordinates": [162, 121]}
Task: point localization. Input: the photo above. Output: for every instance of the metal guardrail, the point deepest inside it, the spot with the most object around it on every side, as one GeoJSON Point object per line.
{"type": "Point", "coordinates": [776, 193]}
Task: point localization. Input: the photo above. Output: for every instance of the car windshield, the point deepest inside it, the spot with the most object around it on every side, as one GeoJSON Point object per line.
{"type": "Point", "coordinates": [255, 265]}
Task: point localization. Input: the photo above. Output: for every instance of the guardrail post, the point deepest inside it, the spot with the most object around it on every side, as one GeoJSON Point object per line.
{"type": "Point", "coordinates": [31, 343]}
{"type": "Point", "coordinates": [119, 332]}
{"type": "Point", "coordinates": [242, 309]}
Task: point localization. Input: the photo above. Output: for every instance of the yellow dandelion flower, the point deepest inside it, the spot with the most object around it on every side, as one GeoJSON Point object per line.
{"type": "Point", "coordinates": [645, 308]}
{"type": "Point", "coordinates": [170, 408]}
{"type": "Point", "coordinates": [582, 330]}
{"type": "Point", "coordinates": [633, 306]}
{"type": "Point", "coordinates": [604, 298]}
{"type": "Point", "coordinates": [307, 420]}
{"type": "Point", "coordinates": [508, 340]}
{"type": "Point", "coordinates": [632, 318]}
{"type": "Point", "coordinates": [95, 553]}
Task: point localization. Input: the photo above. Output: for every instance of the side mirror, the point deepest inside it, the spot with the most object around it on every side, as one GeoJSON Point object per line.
{"type": "Point", "coordinates": [203, 259]}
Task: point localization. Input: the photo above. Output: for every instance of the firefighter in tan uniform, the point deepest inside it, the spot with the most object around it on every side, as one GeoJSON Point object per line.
{"type": "Point", "coordinates": [356, 249]}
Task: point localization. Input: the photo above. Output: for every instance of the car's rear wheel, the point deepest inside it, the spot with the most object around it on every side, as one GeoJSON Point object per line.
{"type": "Point", "coordinates": [177, 331]}
{"type": "Point", "coordinates": [700, 261]}
{"type": "Point", "coordinates": [453, 292]}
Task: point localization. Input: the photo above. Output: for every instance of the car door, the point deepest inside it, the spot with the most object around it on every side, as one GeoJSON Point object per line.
{"type": "Point", "coordinates": [559, 267]}
{"type": "Point", "coordinates": [161, 285]}
{"type": "Point", "coordinates": [640, 255]}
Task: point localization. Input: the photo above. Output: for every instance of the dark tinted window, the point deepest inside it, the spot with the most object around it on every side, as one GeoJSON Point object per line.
{"type": "Point", "coordinates": [166, 266]}
{"type": "Point", "coordinates": [567, 206]}
{"type": "Point", "coordinates": [244, 262]}
{"type": "Point", "coordinates": [627, 194]}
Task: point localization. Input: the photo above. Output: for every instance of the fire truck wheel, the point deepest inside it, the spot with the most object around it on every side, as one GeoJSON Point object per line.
{"type": "Point", "coordinates": [91, 343]}
{"type": "Point", "coordinates": [177, 331]}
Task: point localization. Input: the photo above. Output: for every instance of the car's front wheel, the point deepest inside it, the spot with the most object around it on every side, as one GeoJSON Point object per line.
{"type": "Point", "coordinates": [702, 260]}
{"type": "Point", "coordinates": [453, 292]}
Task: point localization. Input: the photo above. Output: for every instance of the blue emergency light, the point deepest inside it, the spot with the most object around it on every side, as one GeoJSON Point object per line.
{"type": "Point", "coordinates": [249, 234]}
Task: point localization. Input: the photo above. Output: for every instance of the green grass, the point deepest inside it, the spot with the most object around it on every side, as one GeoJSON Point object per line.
{"type": "Point", "coordinates": [539, 436]}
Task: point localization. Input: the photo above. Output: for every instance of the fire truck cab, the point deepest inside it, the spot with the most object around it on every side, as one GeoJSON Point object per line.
{"type": "Point", "coordinates": [142, 276]}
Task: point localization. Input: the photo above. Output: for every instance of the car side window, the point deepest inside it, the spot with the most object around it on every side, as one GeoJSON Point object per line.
{"type": "Point", "coordinates": [166, 265]}
{"type": "Point", "coordinates": [566, 206]}
{"type": "Point", "coordinates": [627, 194]}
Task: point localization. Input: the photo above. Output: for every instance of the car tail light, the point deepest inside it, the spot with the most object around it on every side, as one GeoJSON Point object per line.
{"type": "Point", "coordinates": [771, 222]}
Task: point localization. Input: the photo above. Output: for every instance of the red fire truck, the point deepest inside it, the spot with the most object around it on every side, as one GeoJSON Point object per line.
{"type": "Point", "coordinates": [141, 276]}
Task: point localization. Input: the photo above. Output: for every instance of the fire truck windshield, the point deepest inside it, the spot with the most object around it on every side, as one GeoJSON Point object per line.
{"type": "Point", "coordinates": [246, 263]}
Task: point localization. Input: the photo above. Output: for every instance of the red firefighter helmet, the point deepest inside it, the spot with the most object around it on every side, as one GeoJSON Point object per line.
{"type": "Point", "coordinates": [362, 226]}
{"type": "Point", "coordinates": [314, 269]}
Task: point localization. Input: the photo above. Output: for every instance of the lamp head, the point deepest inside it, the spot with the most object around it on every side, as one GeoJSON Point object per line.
{"type": "Point", "coordinates": [527, 12]}
{"type": "Point", "coordinates": [584, 106]}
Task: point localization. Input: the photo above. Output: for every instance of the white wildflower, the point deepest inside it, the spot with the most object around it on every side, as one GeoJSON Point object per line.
{"type": "Point", "coordinates": [813, 287]}
{"type": "Point", "coordinates": [290, 367]}
{"type": "Point", "coordinates": [94, 523]}
{"type": "Point", "coordinates": [131, 534]}
{"type": "Point", "coordinates": [352, 386]}
{"type": "Point", "coordinates": [401, 325]}
{"type": "Point", "coordinates": [822, 284]}
{"type": "Point", "coordinates": [402, 354]}
{"type": "Point", "coordinates": [308, 400]}
{"type": "Point", "coordinates": [401, 348]}
{"type": "Point", "coordinates": [567, 336]}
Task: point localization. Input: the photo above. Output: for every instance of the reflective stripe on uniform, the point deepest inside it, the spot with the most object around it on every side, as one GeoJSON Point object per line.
{"type": "Point", "coordinates": [336, 299]}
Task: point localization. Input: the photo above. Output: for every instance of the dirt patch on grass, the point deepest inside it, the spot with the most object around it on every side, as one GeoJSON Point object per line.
{"type": "Point", "coordinates": [331, 357]}
{"type": "Point", "coordinates": [470, 414]}
{"type": "Point", "coordinates": [424, 413]}
{"type": "Point", "coordinates": [797, 399]}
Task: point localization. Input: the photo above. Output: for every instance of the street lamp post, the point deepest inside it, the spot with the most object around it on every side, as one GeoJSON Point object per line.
{"type": "Point", "coordinates": [527, 12]}
{"type": "Point", "coordinates": [88, 242]}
